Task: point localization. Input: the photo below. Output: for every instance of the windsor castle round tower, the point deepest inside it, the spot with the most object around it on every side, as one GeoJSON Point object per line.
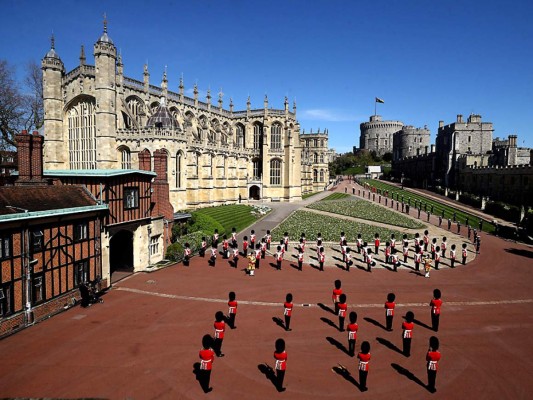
{"type": "Point", "coordinates": [377, 135]}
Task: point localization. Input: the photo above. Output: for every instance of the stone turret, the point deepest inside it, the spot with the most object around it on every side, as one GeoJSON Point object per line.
{"type": "Point", "coordinates": [53, 72]}
{"type": "Point", "coordinates": [377, 135]}
{"type": "Point", "coordinates": [105, 57]}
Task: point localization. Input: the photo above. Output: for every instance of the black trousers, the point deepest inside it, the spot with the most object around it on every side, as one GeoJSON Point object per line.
{"type": "Point", "coordinates": [321, 266]}
{"type": "Point", "coordinates": [362, 378]}
{"type": "Point", "coordinates": [287, 322]}
{"type": "Point", "coordinates": [351, 347]}
{"type": "Point", "coordinates": [231, 321]}
{"type": "Point", "coordinates": [341, 324]}
{"type": "Point", "coordinates": [204, 376]}
{"type": "Point", "coordinates": [257, 263]}
{"type": "Point", "coordinates": [407, 347]}
{"type": "Point", "coordinates": [280, 376]}
{"type": "Point", "coordinates": [217, 347]}
{"type": "Point", "coordinates": [435, 321]}
{"type": "Point", "coordinates": [300, 264]}
{"type": "Point", "coordinates": [388, 322]}
{"type": "Point", "coordinates": [279, 264]}
{"type": "Point", "coordinates": [432, 377]}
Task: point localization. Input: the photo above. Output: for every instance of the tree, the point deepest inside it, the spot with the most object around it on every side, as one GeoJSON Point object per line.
{"type": "Point", "coordinates": [20, 108]}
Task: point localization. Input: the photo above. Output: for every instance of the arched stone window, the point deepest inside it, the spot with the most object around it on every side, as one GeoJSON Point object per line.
{"type": "Point", "coordinates": [315, 175]}
{"type": "Point", "coordinates": [125, 156]}
{"type": "Point", "coordinates": [275, 172]}
{"type": "Point", "coordinates": [137, 112]}
{"type": "Point", "coordinates": [179, 169]}
{"type": "Point", "coordinates": [82, 135]}
{"type": "Point", "coordinates": [275, 136]}
{"type": "Point", "coordinates": [315, 158]}
{"type": "Point", "coordinates": [258, 136]}
{"type": "Point", "coordinates": [321, 175]}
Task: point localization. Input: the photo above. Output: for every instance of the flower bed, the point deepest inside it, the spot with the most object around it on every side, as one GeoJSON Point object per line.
{"type": "Point", "coordinates": [365, 210]}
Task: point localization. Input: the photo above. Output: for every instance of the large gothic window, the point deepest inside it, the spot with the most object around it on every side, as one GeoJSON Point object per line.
{"type": "Point", "coordinates": [136, 111]}
{"type": "Point", "coordinates": [275, 137]}
{"type": "Point", "coordinates": [315, 175]}
{"type": "Point", "coordinates": [258, 136]}
{"type": "Point", "coordinates": [275, 172]}
{"type": "Point", "coordinates": [257, 169]}
{"type": "Point", "coordinates": [240, 136]}
{"type": "Point", "coordinates": [82, 135]}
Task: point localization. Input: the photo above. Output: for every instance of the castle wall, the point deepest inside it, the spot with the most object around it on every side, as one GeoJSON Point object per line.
{"type": "Point", "coordinates": [377, 135]}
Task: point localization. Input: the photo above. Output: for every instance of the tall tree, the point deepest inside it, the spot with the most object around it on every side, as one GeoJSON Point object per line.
{"type": "Point", "coordinates": [20, 107]}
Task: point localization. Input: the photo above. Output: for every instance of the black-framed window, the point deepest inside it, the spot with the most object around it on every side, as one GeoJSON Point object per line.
{"type": "Point", "coordinates": [37, 286]}
{"type": "Point", "coordinates": [37, 240]}
{"type": "Point", "coordinates": [6, 299]}
{"type": "Point", "coordinates": [81, 231]}
{"type": "Point", "coordinates": [5, 246]}
{"type": "Point", "coordinates": [131, 197]}
{"type": "Point", "coordinates": [81, 272]}
{"type": "Point", "coordinates": [275, 172]}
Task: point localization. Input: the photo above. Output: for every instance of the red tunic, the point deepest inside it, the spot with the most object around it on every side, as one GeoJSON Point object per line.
{"type": "Point", "coordinates": [281, 360]}
{"type": "Point", "coordinates": [336, 294]}
{"type": "Point", "coordinates": [364, 360]}
{"type": "Point", "coordinates": [232, 307]}
{"type": "Point", "coordinates": [322, 257]}
{"type": "Point", "coordinates": [245, 245]}
{"type": "Point", "coordinates": [352, 331]}
{"type": "Point", "coordinates": [435, 306]}
{"type": "Point", "coordinates": [433, 358]}
{"type": "Point", "coordinates": [377, 242]}
{"type": "Point", "coordinates": [389, 308]}
{"type": "Point", "coordinates": [207, 356]}
{"type": "Point", "coordinates": [288, 309]}
{"type": "Point", "coordinates": [343, 307]}
{"type": "Point", "coordinates": [220, 327]}
{"type": "Point", "coordinates": [407, 329]}
{"type": "Point", "coordinates": [301, 257]}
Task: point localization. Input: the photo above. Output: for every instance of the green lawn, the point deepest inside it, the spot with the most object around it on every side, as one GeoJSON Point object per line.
{"type": "Point", "coordinates": [235, 215]}
{"type": "Point", "coordinates": [438, 207]}
{"type": "Point", "coordinates": [307, 195]}
{"type": "Point", "coordinates": [330, 228]}
{"type": "Point", "coordinates": [336, 196]}
{"type": "Point", "coordinates": [363, 209]}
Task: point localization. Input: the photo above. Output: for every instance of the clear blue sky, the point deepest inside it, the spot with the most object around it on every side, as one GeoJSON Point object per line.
{"type": "Point", "coordinates": [429, 60]}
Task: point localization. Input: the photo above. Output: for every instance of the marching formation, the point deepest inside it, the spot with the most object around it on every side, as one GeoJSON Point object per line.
{"type": "Point", "coordinates": [212, 345]}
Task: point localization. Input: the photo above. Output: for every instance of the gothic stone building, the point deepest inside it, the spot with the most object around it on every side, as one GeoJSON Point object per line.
{"type": "Point", "coordinates": [96, 118]}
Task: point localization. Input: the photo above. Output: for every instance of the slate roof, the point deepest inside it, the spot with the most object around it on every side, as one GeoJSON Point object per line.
{"type": "Point", "coordinates": [43, 198]}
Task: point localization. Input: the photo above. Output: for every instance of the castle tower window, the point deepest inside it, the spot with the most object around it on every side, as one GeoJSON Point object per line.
{"type": "Point", "coordinates": [315, 176]}
{"type": "Point", "coordinates": [258, 136]}
{"type": "Point", "coordinates": [240, 136]}
{"type": "Point", "coordinates": [275, 172]}
{"type": "Point", "coordinates": [275, 137]}
{"type": "Point", "coordinates": [126, 158]}
{"type": "Point", "coordinates": [257, 169]}
{"type": "Point", "coordinates": [179, 163]}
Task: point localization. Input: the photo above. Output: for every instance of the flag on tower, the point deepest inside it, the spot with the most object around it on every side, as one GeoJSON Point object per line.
{"type": "Point", "coordinates": [378, 100]}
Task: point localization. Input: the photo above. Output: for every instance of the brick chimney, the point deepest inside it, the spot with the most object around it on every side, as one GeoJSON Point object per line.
{"type": "Point", "coordinates": [144, 161]}
{"type": "Point", "coordinates": [30, 158]}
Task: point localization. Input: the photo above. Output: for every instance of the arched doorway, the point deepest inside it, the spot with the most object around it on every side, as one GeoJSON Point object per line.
{"type": "Point", "coordinates": [121, 255]}
{"type": "Point", "coordinates": [254, 192]}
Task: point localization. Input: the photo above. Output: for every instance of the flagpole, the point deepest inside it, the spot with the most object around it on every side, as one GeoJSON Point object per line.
{"type": "Point", "coordinates": [375, 107]}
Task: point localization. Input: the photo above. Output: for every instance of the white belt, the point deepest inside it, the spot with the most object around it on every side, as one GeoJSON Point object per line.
{"type": "Point", "coordinates": [287, 311]}
{"type": "Point", "coordinates": [217, 333]}
{"type": "Point", "coordinates": [232, 310]}
{"type": "Point", "coordinates": [279, 364]}
{"type": "Point", "coordinates": [363, 365]}
{"type": "Point", "coordinates": [351, 335]}
{"type": "Point", "coordinates": [407, 334]}
{"type": "Point", "coordinates": [432, 366]}
{"type": "Point", "coordinates": [342, 313]}
{"type": "Point", "coordinates": [204, 364]}
{"type": "Point", "coordinates": [390, 312]}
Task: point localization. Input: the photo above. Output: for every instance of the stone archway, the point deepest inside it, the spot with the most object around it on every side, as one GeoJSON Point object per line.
{"type": "Point", "coordinates": [121, 255]}
{"type": "Point", "coordinates": [254, 192]}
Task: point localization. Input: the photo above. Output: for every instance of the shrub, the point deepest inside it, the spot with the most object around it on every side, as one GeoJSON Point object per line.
{"type": "Point", "coordinates": [175, 250]}
{"type": "Point", "coordinates": [503, 211]}
{"type": "Point", "coordinates": [205, 224]}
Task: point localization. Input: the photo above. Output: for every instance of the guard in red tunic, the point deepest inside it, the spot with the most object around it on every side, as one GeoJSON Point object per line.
{"type": "Point", "coordinates": [364, 360]}
{"type": "Point", "coordinates": [235, 254]}
{"type": "Point", "coordinates": [393, 244]}
{"type": "Point", "coordinates": [426, 240]}
{"type": "Point", "coordinates": [268, 239]}
{"type": "Point", "coordinates": [232, 310]}
{"type": "Point", "coordinates": [207, 356]}
{"type": "Point", "coordinates": [369, 261]}
{"type": "Point", "coordinates": [443, 247]}
{"type": "Point", "coordinates": [464, 253]}
{"type": "Point", "coordinates": [342, 240]}
{"type": "Point", "coordinates": [337, 291]}
{"type": "Point", "coordinates": [257, 255]}
{"type": "Point", "coordinates": [352, 328]}
{"type": "Point", "coordinates": [321, 258]}
{"type": "Point", "coordinates": [343, 309]}
{"type": "Point", "coordinates": [359, 242]}
{"type": "Point", "coordinates": [263, 248]}
{"type": "Point", "coordinates": [348, 259]}
{"type": "Point", "coordinates": [377, 242]}
{"type": "Point", "coordinates": [418, 260]}
{"type": "Point", "coordinates": [287, 311]}
{"type": "Point", "coordinates": [407, 333]}
{"type": "Point", "coordinates": [233, 237]}
{"type": "Point", "coordinates": [213, 259]}
{"type": "Point", "coordinates": [280, 356]}
{"type": "Point", "coordinates": [432, 359]}
{"type": "Point", "coordinates": [187, 254]}
{"type": "Point", "coordinates": [389, 310]}
{"type": "Point", "coordinates": [220, 328]}
{"type": "Point", "coordinates": [433, 248]}
{"type": "Point", "coordinates": [405, 248]}
{"type": "Point", "coordinates": [435, 304]}
{"type": "Point", "coordinates": [344, 247]}
{"type": "Point", "coordinates": [437, 257]}
{"type": "Point", "coordinates": [279, 257]}
{"type": "Point", "coordinates": [388, 252]}
{"type": "Point", "coordinates": [286, 241]}
{"type": "Point", "coordinates": [245, 246]}
{"type": "Point", "coordinates": [452, 256]}
{"type": "Point", "coordinates": [225, 247]}
{"type": "Point", "coordinates": [318, 240]}
{"type": "Point", "coordinates": [203, 247]}
{"type": "Point", "coordinates": [300, 258]}
{"type": "Point", "coordinates": [214, 239]}
{"type": "Point", "coordinates": [252, 239]}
